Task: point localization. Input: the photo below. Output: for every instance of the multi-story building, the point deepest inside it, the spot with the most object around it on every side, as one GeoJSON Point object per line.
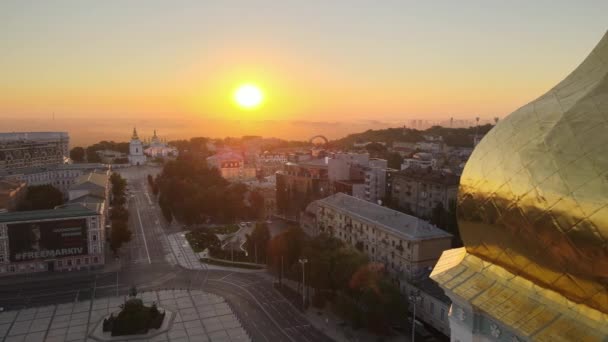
{"type": "Point", "coordinates": [231, 166]}
{"type": "Point", "coordinates": [347, 166]}
{"type": "Point", "coordinates": [420, 160]}
{"type": "Point", "coordinates": [69, 237]}
{"type": "Point", "coordinates": [33, 149]}
{"type": "Point", "coordinates": [354, 188]}
{"type": "Point", "coordinates": [61, 176]}
{"type": "Point", "coordinates": [91, 184]}
{"type": "Point", "coordinates": [266, 187]}
{"type": "Point", "coordinates": [432, 304]}
{"type": "Point", "coordinates": [420, 191]}
{"type": "Point", "coordinates": [374, 178]}
{"type": "Point", "coordinates": [300, 183]}
{"type": "Point", "coordinates": [406, 245]}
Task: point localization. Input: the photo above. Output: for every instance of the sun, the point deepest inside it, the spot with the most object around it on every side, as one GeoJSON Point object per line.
{"type": "Point", "coordinates": [248, 96]}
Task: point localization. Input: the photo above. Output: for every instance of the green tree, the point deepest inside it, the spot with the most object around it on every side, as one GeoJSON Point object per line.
{"type": "Point", "coordinates": [119, 234]}
{"type": "Point", "coordinates": [92, 156]}
{"type": "Point", "coordinates": [376, 150]}
{"type": "Point", "coordinates": [77, 154]}
{"type": "Point", "coordinates": [257, 242]}
{"type": "Point", "coordinates": [41, 197]}
{"type": "Point", "coordinates": [257, 204]}
{"type": "Point", "coordinates": [394, 160]}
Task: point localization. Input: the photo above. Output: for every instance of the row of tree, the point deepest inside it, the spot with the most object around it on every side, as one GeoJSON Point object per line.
{"type": "Point", "coordinates": [80, 154]}
{"type": "Point", "coordinates": [119, 214]}
{"type": "Point", "coordinates": [192, 193]}
{"type": "Point", "coordinates": [458, 137]}
{"type": "Point", "coordinates": [358, 290]}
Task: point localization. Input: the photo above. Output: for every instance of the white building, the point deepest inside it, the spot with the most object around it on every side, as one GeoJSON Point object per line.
{"type": "Point", "coordinates": [160, 149]}
{"type": "Point", "coordinates": [375, 180]}
{"type": "Point", "coordinates": [421, 160]}
{"type": "Point", "coordinates": [136, 150]}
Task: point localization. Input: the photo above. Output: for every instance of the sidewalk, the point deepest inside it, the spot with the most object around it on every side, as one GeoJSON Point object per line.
{"type": "Point", "coordinates": [199, 316]}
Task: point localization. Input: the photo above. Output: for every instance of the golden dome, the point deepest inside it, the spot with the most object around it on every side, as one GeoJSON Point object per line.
{"type": "Point", "coordinates": [534, 194]}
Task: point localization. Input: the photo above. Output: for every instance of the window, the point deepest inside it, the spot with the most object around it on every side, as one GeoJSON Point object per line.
{"type": "Point", "coordinates": [59, 263]}
{"type": "Point", "coordinates": [1, 257]}
{"type": "Point", "coordinates": [94, 237]}
{"type": "Point", "coordinates": [95, 260]}
{"type": "Point", "coordinates": [11, 268]}
{"type": "Point", "coordinates": [432, 306]}
{"type": "Point", "coordinates": [442, 314]}
{"type": "Point", "coordinates": [69, 262]}
{"type": "Point", "coordinates": [78, 261]}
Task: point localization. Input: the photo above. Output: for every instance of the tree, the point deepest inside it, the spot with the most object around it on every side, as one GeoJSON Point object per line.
{"type": "Point", "coordinates": [376, 150]}
{"type": "Point", "coordinates": [77, 154]}
{"type": "Point", "coordinates": [92, 156]}
{"type": "Point", "coordinates": [257, 204]}
{"type": "Point", "coordinates": [394, 160]}
{"type": "Point", "coordinates": [119, 215]}
{"type": "Point", "coordinates": [41, 197]}
{"type": "Point", "coordinates": [119, 234]}
{"type": "Point", "coordinates": [257, 242]}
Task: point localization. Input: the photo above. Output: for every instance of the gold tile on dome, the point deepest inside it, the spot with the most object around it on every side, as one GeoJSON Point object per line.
{"type": "Point", "coordinates": [535, 204]}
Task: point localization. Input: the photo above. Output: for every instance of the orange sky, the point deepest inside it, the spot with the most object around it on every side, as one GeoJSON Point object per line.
{"type": "Point", "coordinates": [157, 63]}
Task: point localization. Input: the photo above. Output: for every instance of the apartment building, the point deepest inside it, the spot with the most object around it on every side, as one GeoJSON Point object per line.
{"type": "Point", "coordinates": [406, 245]}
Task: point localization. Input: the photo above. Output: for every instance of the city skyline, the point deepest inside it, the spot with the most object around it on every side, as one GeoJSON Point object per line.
{"type": "Point", "coordinates": [165, 65]}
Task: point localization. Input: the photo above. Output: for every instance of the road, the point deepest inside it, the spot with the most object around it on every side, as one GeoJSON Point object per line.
{"type": "Point", "coordinates": [149, 263]}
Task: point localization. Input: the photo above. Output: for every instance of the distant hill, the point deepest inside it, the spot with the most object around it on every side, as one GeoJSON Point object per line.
{"type": "Point", "coordinates": [460, 137]}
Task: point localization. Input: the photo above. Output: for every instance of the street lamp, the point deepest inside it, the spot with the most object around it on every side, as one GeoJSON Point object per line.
{"type": "Point", "coordinates": [303, 261]}
{"type": "Point", "coordinates": [414, 297]}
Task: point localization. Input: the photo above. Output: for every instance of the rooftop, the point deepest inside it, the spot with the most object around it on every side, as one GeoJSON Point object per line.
{"type": "Point", "coordinates": [313, 163]}
{"type": "Point", "coordinates": [92, 202]}
{"type": "Point", "coordinates": [410, 227]}
{"type": "Point", "coordinates": [39, 169]}
{"type": "Point", "coordinates": [33, 136]}
{"type": "Point", "coordinates": [93, 178]}
{"type": "Point", "coordinates": [57, 213]}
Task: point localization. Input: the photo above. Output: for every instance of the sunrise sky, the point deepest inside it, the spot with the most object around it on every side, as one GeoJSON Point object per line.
{"type": "Point", "coordinates": [171, 63]}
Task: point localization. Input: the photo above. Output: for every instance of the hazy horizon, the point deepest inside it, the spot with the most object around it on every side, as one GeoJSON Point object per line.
{"type": "Point", "coordinates": [329, 67]}
{"type": "Point", "coordinates": [118, 130]}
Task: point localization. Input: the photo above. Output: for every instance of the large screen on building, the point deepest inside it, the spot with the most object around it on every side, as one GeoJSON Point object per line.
{"type": "Point", "coordinates": [47, 240]}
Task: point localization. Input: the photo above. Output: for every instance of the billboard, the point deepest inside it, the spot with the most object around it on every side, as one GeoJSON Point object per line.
{"type": "Point", "coordinates": [47, 240]}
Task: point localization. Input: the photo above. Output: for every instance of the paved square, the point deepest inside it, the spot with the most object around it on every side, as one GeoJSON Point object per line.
{"type": "Point", "coordinates": [199, 316]}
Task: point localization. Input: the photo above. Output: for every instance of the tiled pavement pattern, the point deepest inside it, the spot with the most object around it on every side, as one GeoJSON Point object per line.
{"type": "Point", "coordinates": [199, 316]}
